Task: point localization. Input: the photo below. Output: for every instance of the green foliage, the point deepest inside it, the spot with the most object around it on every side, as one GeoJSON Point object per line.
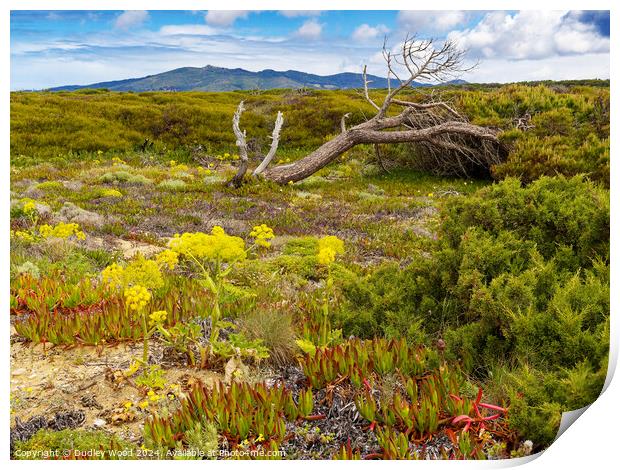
{"type": "Point", "coordinates": [202, 439]}
{"type": "Point", "coordinates": [47, 443]}
{"type": "Point", "coordinates": [172, 185]}
{"type": "Point", "coordinates": [520, 276]}
{"type": "Point", "coordinates": [123, 176]}
{"type": "Point", "coordinates": [152, 377]}
{"type": "Point", "coordinates": [275, 330]}
{"type": "Point", "coordinates": [570, 134]}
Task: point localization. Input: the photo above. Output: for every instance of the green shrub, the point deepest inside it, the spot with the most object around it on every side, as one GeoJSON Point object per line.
{"type": "Point", "coordinates": [46, 441]}
{"type": "Point", "coordinates": [123, 176]}
{"type": "Point", "coordinates": [172, 185]}
{"type": "Point", "coordinates": [50, 185]}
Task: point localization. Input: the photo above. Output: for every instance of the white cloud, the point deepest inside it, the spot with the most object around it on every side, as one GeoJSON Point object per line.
{"type": "Point", "coordinates": [530, 35]}
{"type": "Point", "coordinates": [365, 32]}
{"type": "Point", "coordinates": [224, 17]}
{"type": "Point", "coordinates": [567, 67]}
{"type": "Point", "coordinates": [297, 13]}
{"type": "Point", "coordinates": [431, 20]}
{"type": "Point", "coordinates": [311, 29]}
{"type": "Point", "coordinates": [131, 18]}
{"type": "Point", "coordinates": [188, 29]}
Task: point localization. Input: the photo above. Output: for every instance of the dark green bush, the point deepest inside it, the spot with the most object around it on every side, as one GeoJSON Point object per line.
{"type": "Point", "coordinates": [519, 281]}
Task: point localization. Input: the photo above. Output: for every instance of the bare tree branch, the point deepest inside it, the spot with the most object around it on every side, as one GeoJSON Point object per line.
{"type": "Point", "coordinates": [366, 95]}
{"type": "Point", "coordinates": [343, 124]}
{"type": "Point", "coordinates": [275, 139]}
{"type": "Point", "coordinates": [242, 145]}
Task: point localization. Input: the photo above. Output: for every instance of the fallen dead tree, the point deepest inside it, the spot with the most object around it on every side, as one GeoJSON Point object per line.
{"type": "Point", "coordinates": [440, 134]}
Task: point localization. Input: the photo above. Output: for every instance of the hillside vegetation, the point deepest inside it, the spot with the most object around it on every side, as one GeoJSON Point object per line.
{"type": "Point", "coordinates": [360, 313]}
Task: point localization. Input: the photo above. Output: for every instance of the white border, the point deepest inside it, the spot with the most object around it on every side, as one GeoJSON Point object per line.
{"type": "Point", "coordinates": [592, 442]}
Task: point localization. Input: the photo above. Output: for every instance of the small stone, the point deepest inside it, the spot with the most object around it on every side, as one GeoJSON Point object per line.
{"type": "Point", "coordinates": [20, 371]}
{"type": "Point", "coordinates": [99, 423]}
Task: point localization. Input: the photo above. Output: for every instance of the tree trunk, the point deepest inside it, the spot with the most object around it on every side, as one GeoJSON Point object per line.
{"type": "Point", "coordinates": [368, 133]}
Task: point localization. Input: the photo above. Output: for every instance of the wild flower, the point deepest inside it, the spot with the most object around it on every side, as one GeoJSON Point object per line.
{"type": "Point", "coordinates": [29, 206]}
{"type": "Point", "coordinates": [118, 161]}
{"type": "Point", "coordinates": [144, 272]}
{"type": "Point", "coordinates": [216, 246]}
{"type": "Point", "coordinates": [179, 168]}
{"type": "Point", "coordinates": [113, 275]}
{"type": "Point", "coordinates": [172, 163]}
{"type": "Point", "coordinates": [111, 193]}
{"type": "Point", "coordinates": [23, 235]}
{"type": "Point", "coordinates": [157, 317]}
{"type": "Point", "coordinates": [167, 258]}
{"type": "Point", "coordinates": [329, 247]}
{"type": "Point", "coordinates": [62, 230]}
{"type": "Point", "coordinates": [137, 297]}
{"type": "Point", "coordinates": [262, 234]}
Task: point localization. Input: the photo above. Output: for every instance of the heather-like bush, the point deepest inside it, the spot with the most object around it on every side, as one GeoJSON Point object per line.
{"type": "Point", "coordinates": [520, 276]}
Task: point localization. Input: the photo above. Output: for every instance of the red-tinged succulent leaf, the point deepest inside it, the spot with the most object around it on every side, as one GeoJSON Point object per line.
{"type": "Point", "coordinates": [479, 397]}
{"type": "Point", "coordinates": [489, 418]}
{"type": "Point", "coordinates": [466, 428]}
{"type": "Point", "coordinates": [456, 397]}
{"type": "Point", "coordinates": [461, 418]}
{"type": "Point", "coordinates": [493, 407]}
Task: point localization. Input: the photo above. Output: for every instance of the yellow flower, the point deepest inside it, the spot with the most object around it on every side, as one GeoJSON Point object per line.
{"type": "Point", "coordinates": [22, 235]}
{"type": "Point", "coordinates": [29, 206]}
{"type": "Point", "coordinates": [157, 317]}
{"type": "Point", "coordinates": [217, 245]}
{"type": "Point", "coordinates": [113, 275]}
{"type": "Point", "coordinates": [128, 405]}
{"type": "Point", "coordinates": [262, 234]}
{"type": "Point", "coordinates": [137, 297]}
{"type": "Point", "coordinates": [333, 242]}
{"type": "Point", "coordinates": [218, 231]}
{"type": "Point", "coordinates": [144, 272]}
{"type": "Point", "coordinates": [172, 163]}
{"type": "Point", "coordinates": [329, 247]}
{"type": "Point", "coordinates": [143, 404]}
{"type": "Point", "coordinates": [326, 256]}
{"type": "Point", "coordinates": [430, 195]}
{"type": "Point", "coordinates": [111, 193]}
{"type": "Point", "coordinates": [167, 258]}
{"type": "Point", "coordinates": [62, 230]}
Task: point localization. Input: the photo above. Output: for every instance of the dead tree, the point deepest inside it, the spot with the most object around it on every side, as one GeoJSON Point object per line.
{"type": "Point", "coordinates": [433, 126]}
{"type": "Point", "coordinates": [243, 147]}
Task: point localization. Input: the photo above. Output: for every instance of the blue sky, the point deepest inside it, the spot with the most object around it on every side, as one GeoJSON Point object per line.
{"type": "Point", "coordinates": [51, 48]}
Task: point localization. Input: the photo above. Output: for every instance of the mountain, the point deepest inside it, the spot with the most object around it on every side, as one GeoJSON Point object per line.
{"type": "Point", "coordinates": [212, 78]}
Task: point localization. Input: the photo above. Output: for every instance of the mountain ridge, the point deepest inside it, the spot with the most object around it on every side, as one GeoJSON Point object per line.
{"type": "Point", "coordinates": [212, 78]}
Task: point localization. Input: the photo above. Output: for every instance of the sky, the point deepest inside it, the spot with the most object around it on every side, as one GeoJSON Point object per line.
{"type": "Point", "coordinates": [53, 48]}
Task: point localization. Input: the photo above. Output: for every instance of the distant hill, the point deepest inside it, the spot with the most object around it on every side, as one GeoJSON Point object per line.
{"type": "Point", "coordinates": [212, 78]}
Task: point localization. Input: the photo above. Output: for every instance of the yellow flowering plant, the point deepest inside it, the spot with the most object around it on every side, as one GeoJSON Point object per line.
{"type": "Point", "coordinates": [262, 234]}
{"type": "Point", "coordinates": [138, 279]}
{"type": "Point", "coordinates": [214, 254]}
{"type": "Point", "coordinates": [328, 249]}
{"type": "Point", "coordinates": [62, 230]}
{"type": "Point", "coordinates": [210, 253]}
